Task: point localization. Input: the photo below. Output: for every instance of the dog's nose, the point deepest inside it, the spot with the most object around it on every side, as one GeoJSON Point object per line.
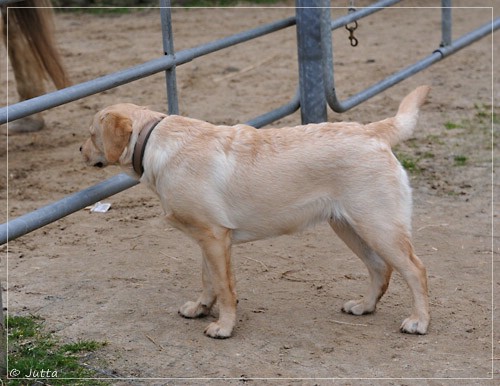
{"type": "Point", "coordinates": [81, 147]}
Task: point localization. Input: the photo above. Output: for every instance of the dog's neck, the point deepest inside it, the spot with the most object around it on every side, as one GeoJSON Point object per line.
{"type": "Point", "coordinates": [140, 146]}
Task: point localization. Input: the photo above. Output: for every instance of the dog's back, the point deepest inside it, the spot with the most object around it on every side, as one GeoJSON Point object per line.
{"type": "Point", "coordinates": [268, 182]}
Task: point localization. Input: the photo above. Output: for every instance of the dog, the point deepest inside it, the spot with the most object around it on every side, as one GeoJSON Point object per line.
{"type": "Point", "coordinates": [224, 185]}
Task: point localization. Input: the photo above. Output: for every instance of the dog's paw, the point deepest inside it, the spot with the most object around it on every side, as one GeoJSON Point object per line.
{"type": "Point", "coordinates": [414, 326]}
{"type": "Point", "coordinates": [217, 331]}
{"type": "Point", "coordinates": [194, 310]}
{"type": "Point", "coordinates": [357, 307]}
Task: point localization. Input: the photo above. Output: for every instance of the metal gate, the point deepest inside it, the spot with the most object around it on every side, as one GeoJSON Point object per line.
{"type": "Point", "coordinates": [316, 88]}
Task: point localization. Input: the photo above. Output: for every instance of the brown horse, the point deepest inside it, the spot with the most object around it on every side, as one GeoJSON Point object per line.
{"type": "Point", "coordinates": [28, 29]}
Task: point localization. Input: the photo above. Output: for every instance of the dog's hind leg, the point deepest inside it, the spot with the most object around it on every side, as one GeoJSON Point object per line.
{"type": "Point", "coordinates": [380, 272]}
{"type": "Point", "coordinates": [392, 242]}
{"type": "Point", "coordinates": [401, 256]}
{"type": "Point", "coordinates": [414, 272]}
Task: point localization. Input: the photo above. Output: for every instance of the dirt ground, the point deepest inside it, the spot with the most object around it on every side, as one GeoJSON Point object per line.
{"type": "Point", "coordinates": [120, 276]}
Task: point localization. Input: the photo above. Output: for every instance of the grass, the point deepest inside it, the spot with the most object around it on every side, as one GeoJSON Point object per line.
{"type": "Point", "coordinates": [451, 125]}
{"type": "Point", "coordinates": [460, 160]}
{"type": "Point", "coordinates": [408, 162]}
{"type": "Point", "coordinates": [220, 3]}
{"type": "Point", "coordinates": [484, 116]}
{"type": "Point", "coordinates": [100, 7]}
{"type": "Point", "coordinates": [34, 354]}
{"type": "Point", "coordinates": [439, 159]}
{"type": "Point", "coordinates": [484, 113]}
{"type": "Point", "coordinates": [411, 161]}
{"type": "Point", "coordinates": [98, 11]}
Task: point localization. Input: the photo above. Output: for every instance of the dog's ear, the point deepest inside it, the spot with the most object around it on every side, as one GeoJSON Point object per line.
{"type": "Point", "coordinates": [116, 131]}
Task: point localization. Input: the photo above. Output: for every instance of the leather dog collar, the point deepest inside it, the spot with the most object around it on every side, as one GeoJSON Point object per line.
{"type": "Point", "coordinates": [140, 146]}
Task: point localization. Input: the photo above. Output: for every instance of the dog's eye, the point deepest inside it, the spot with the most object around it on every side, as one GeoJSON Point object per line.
{"type": "Point", "coordinates": [93, 138]}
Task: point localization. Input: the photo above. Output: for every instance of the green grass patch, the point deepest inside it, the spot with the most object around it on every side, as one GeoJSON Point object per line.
{"type": "Point", "coordinates": [411, 162]}
{"type": "Point", "coordinates": [460, 160]}
{"type": "Point", "coordinates": [482, 110]}
{"type": "Point", "coordinates": [127, 6]}
{"type": "Point", "coordinates": [108, 11]}
{"type": "Point", "coordinates": [36, 357]}
{"type": "Point", "coordinates": [486, 114]}
{"type": "Point", "coordinates": [452, 125]}
{"type": "Point", "coordinates": [435, 139]}
{"type": "Point", "coordinates": [408, 162]}
{"type": "Point", "coordinates": [220, 3]}
{"type": "Point", "coordinates": [98, 11]}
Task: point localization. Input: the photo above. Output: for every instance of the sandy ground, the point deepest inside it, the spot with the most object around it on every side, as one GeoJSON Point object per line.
{"type": "Point", "coordinates": [120, 277]}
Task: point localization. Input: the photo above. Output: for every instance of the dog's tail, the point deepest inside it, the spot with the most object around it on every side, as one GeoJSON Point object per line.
{"type": "Point", "coordinates": [400, 127]}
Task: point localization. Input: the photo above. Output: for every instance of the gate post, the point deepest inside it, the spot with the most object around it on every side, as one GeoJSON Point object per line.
{"type": "Point", "coordinates": [313, 103]}
{"type": "Point", "coordinates": [446, 22]}
{"type": "Point", "coordinates": [168, 48]}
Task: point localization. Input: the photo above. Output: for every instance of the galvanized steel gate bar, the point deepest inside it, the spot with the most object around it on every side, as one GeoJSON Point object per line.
{"type": "Point", "coordinates": [316, 68]}
{"type": "Point", "coordinates": [94, 86]}
{"type": "Point", "coordinates": [316, 87]}
{"type": "Point", "coordinates": [447, 48]}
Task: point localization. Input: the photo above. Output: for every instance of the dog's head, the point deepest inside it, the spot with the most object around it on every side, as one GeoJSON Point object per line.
{"type": "Point", "coordinates": [110, 133]}
{"type": "Point", "coordinates": [113, 133]}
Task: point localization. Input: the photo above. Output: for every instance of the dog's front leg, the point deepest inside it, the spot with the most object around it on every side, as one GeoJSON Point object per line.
{"type": "Point", "coordinates": [217, 255]}
{"type": "Point", "coordinates": [218, 282]}
{"type": "Point", "coordinates": [204, 304]}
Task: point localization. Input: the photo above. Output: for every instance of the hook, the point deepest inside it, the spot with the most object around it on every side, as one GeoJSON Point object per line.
{"type": "Point", "coordinates": [352, 38]}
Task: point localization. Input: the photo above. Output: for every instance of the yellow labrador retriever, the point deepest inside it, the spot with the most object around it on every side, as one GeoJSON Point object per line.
{"type": "Point", "coordinates": [224, 185]}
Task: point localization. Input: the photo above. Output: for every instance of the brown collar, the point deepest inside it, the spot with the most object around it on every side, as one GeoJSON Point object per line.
{"type": "Point", "coordinates": [140, 146]}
